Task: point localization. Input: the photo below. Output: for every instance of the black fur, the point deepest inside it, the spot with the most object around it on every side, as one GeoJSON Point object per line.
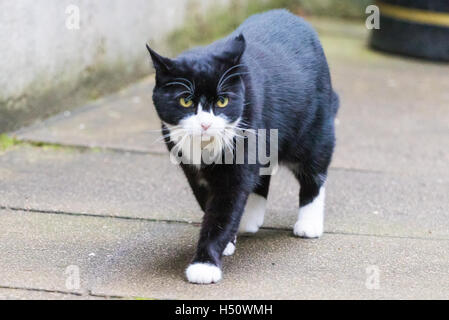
{"type": "Point", "coordinates": [284, 84]}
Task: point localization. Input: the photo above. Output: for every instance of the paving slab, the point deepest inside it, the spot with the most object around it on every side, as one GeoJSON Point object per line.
{"type": "Point", "coordinates": [151, 187]}
{"type": "Point", "coordinates": [125, 120]}
{"type": "Point", "coordinates": [142, 259]}
{"type": "Point", "coordinates": [388, 122]}
{"type": "Point", "coordinates": [394, 114]}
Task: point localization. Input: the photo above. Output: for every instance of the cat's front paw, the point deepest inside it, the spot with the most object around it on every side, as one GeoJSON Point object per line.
{"type": "Point", "coordinates": [203, 273]}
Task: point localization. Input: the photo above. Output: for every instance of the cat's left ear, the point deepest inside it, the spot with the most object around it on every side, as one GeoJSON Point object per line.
{"type": "Point", "coordinates": [234, 49]}
{"type": "Point", "coordinates": [161, 64]}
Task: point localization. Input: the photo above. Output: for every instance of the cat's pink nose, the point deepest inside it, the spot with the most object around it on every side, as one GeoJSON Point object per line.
{"type": "Point", "coordinates": [205, 126]}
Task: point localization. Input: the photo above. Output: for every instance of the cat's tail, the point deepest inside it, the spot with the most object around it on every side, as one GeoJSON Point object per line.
{"type": "Point", "coordinates": [335, 102]}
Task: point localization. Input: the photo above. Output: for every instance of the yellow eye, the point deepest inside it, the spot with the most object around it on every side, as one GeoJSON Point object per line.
{"type": "Point", "coordinates": [185, 102]}
{"type": "Point", "coordinates": [223, 102]}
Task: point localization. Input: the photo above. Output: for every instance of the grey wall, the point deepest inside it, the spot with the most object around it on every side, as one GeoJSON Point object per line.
{"type": "Point", "coordinates": [46, 67]}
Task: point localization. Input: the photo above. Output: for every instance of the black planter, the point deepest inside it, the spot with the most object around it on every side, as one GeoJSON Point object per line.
{"type": "Point", "coordinates": [418, 28]}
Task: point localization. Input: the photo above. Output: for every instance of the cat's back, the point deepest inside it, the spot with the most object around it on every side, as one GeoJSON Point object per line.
{"type": "Point", "coordinates": [278, 28]}
{"type": "Point", "coordinates": [274, 35]}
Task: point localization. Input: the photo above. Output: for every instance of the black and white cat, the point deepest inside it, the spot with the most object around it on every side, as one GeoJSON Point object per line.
{"type": "Point", "coordinates": [271, 73]}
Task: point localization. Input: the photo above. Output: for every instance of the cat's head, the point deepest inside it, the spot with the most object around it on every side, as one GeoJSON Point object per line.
{"type": "Point", "coordinates": [200, 94]}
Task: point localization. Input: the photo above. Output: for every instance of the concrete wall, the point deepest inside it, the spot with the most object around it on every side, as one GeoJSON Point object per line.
{"type": "Point", "coordinates": [46, 67]}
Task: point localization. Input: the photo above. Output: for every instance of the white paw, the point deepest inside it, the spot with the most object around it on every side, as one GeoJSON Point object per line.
{"type": "Point", "coordinates": [253, 216]}
{"type": "Point", "coordinates": [249, 228]}
{"type": "Point", "coordinates": [308, 229]}
{"type": "Point", "coordinates": [310, 222]}
{"type": "Point", "coordinates": [229, 250]}
{"type": "Point", "coordinates": [203, 273]}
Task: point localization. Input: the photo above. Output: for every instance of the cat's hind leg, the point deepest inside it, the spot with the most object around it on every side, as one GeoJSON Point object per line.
{"type": "Point", "coordinates": [310, 222]}
{"type": "Point", "coordinates": [255, 208]}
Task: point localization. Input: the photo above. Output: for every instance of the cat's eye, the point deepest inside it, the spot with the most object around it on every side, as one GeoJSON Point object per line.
{"type": "Point", "coordinates": [222, 102]}
{"type": "Point", "coordinates": [185, 102]}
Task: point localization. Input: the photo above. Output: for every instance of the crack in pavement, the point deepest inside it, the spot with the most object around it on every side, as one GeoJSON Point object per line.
{"type": "Point", "coordinates": [197, 224]}
{"type": "Point", "coordinates": [78, 294]}
{"type": "Point", "coordinates": [117, 150]}
{"type": "Point", "coordinates": [69, 293]}
{"type": "Point", "coordinates": [85, 148]}
{"type": "Point", "coordinates": [92, 215]}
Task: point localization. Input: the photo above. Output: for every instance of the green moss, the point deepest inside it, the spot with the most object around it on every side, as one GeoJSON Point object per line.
{"type": "Point", "coordinates": [46, 98]}
{"type": "Point", "coordinates": [142, 298]}
{"type": "Point", "coordinates": [49, 146]}
{"type": "Point", "coordinates": [7, 142]}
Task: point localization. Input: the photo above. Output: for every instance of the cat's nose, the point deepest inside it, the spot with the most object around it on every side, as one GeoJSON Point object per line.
{"type": "Point", "coordinates": [205, 126]}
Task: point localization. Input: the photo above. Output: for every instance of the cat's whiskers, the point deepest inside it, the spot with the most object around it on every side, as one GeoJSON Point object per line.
{"type": "Point", "coordinates": [168, 135]}
{"type": "Point", "coordinates": [174, 83]}
{"type": "Point", "coordinates": [191, 85]}
{"type": "Point", "coordinates": [178, 146]}
{"type": "Point", "coordinates": [243, 127]}
{"type": "Point", "coordinates": [233, 75]}
{"type": "Point", "coordinates": [153, 131]}
{"type": "Point", "coordinates": [220, 82]}
{"type": "Point", "coordinates": [222, 141]}
{"type": "Point", "coordinates": [178, 135]}
{"type": "Point", "coordinates": [228, 139]}
{"type": "Point", "coordinates": [183, 94]}
{"type": "Point", "coordinates": [171, 129]}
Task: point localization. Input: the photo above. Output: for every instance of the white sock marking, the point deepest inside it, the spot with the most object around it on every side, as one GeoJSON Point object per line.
{"type": "Point", "coordinates": [229, 250]}
{"type": "Point", "coordinates": [254, 213]}
{"type": "Point", "coordinates": [310, 222]}
{"type": "Point", "coordinates": [203, 273]}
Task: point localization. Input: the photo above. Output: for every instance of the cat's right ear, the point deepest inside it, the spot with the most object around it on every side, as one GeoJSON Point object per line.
{"type": "Point", "coordinates": [235, 49]}
{"type": "Point", "coordinates": [161, 64]}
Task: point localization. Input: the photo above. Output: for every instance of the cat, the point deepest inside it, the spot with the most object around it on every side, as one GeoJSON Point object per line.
{"type": "Point", "coordinates": [271, 73]}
